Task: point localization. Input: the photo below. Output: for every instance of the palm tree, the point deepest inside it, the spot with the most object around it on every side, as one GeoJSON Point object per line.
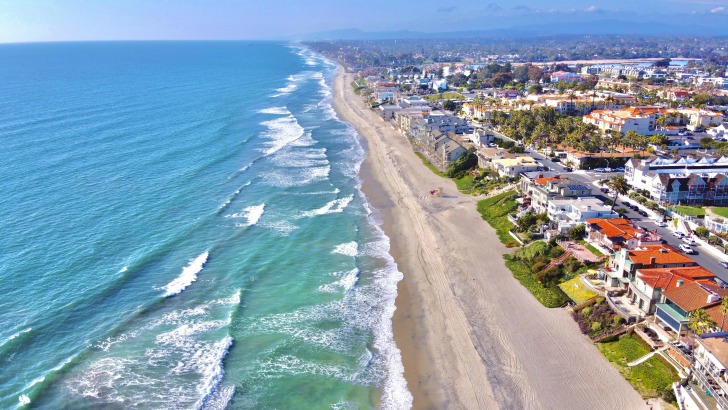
{"type": "Point", "coordinates": [724, 310]}
{"type": "Point", "coordinates": [620, 187]}
{"type": "Point", "coordinates": [699, 321]}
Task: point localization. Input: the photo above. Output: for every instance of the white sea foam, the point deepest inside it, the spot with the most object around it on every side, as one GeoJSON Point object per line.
{"type": "Point", "coordinates": [335, 206]}
{"type": "Point", "coordinates": [188, 275]}
{"type": "Point", "coordinates": [347, 249]}
{"type": "Point", "coordinates": [209, 364]}
{"type": "Point", "coordinates": [252, 214]}
{"type": "Point", "coordinates": [297, 177]}
{"type": "Point", "coordinates": [275, 111]}
{"type": "Point", "coordinates": [124, 269]}
{"type": "Point", "coordinates": [23, 400]}
{"type": "Point", "coordinates": [287, 89]}
{"type": "Point", "coordinates": [282, 227]}
{"type": "Point", "coordinates": [220, 398]}
{"type": "Point", "coordinates": [281, 132]}
{"type": "Point", "coordinates": [346, 282]}
{"type": "Point", "coordinates": [231, 198]}
{"type": "Point", "coordinates": [15, 335]}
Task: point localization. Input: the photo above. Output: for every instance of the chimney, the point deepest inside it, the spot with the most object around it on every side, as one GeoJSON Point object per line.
{"type": "Point", "coordinates": [652, 260]}
{"type": "Point", "coordinates": [679, 283]}
{"type": "Point", "coordinates": [712, 298]}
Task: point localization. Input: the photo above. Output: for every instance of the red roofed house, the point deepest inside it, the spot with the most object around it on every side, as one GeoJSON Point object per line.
{"type": "Point", "coordinates": [624, 264]}
{"type": "Point", "coordinates": [650, 284]}
{"type": "Point", "coordinates": [618, 233]}
{"type": "Point", "coordinates": [678, 302]}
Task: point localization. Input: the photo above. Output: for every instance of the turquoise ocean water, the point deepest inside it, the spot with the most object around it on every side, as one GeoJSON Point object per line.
{"type": "Point", "coordinates": [182, 227]}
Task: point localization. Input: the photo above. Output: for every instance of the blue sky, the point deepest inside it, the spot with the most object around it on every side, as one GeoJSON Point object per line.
{"type": "Point", "coordinates": [60, 20]}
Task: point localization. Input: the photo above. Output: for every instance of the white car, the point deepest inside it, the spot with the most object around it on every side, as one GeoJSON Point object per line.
{"type": "Point", "coordinates": [689, 240]}
{"type": "Point", "coordinates": [678, 234]}
{"type": "Point", "coordinates": [686, 248]}
{"type": "Point", "coordinates": [661, 224]}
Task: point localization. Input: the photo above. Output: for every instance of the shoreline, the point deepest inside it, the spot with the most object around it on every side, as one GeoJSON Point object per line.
{"type": "Point", "coordinates": [469, 334]}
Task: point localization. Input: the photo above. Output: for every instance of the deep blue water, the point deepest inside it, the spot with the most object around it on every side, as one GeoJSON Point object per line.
{"type": "Point", "coordinates": [182, 227]}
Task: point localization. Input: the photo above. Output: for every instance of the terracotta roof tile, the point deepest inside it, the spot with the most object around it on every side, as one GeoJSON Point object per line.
{"type": "Point", "coordinates": [663, 254]}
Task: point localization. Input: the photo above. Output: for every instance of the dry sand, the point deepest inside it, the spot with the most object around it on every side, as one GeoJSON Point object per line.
{"type": "Point", "coordinates": [471, 336]}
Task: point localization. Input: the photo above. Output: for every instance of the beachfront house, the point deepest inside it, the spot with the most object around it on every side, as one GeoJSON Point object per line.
{"type": "Point", "coordinates": [623, 264]}
{"type": "Point", "coordinates": [650, 284]}
{"type": "Point", "coordinates": [567, 213]}
{"type": "Point", "coordinates": [708, 387]}
{"type": "Point", "coordinates": [545, 190]}
{"type": "Point", "coordinates": [672, 313]}
{"type": "Point", "coordinates": [619, 233]}
{"type": "Point", "coordinates": [512, 167]}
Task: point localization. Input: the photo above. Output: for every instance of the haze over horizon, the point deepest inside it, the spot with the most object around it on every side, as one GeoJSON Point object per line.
{"type": "Point", "coordinates": [85, 20]}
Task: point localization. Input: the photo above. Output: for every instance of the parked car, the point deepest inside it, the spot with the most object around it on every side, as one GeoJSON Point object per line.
{"type": "Point", "coordinates": [678, 234]}
{"type": "Point", "coordinates": [619, 169]}
{"type": "Point", "coordinates": [568, 169]}
{"type": "Point", "coordinates": [723, 264]}
{"type": "Point", "coordinates": [599, 170]}
{"type": "Point", "coordinates": [627, 204]}
{"type": "Point", "coordinates": [689, 240]}
{"type": "Point", "coordinates": [687, 249]}
{"type": "Point", "coordinates": [608, 170]}
{"type": "Point", "coordinates": [641, 212]}
{"type": "Point", "coordinates": [555, 159]}
{"type": "Point", "coordinates": [492, 145]}
{"type": "Point", "coordinates": [605, 190]}
{"type": "Point", "coordinates": [661, 224]}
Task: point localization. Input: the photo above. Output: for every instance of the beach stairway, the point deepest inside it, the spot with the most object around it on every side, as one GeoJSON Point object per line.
{"type": "Point", "coordinates": [557, 261]}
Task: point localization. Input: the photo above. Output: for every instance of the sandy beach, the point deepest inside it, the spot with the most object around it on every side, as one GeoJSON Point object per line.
{"type": "Point", "coordinates": [471, 336]}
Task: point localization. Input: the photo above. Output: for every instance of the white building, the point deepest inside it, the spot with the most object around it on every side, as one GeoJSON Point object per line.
{"type": "Point", "coordinates": [567, 213]}
{"type": "Point", "coordinates": [512, 167]}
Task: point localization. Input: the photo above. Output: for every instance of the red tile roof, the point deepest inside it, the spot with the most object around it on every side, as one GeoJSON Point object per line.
{"type": "Point", "coordinates": [666, 278]}
{"type": "Point", "coordinates": [543, 181]}
{"type": "Point", "coordinates": [691, 296]}
{"type": "Point", "coordinates": [663, 254]}
{"type": "Point", "coordinates": [612, 228]}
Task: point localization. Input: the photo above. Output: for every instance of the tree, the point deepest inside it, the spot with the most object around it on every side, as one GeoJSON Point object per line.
{"type": "Point", "coordinates": [620, 187]}
{"type": "Point", "coordinates": [659, 139]}
{"type": "Point", "coordinates": [577, 232]}
{"type": "Point", "coordinates": [449, 105]}
{"type": "Point", "coordinates": [701, 231]}
{"type": "Point", "coordinates": [699, 321]}
{"type": "Point", "coordinates": [706, 142]}
{"type": "Point", "coordinates": [724, 310]}
{"type": "Point", "coordinates": [501, 79]}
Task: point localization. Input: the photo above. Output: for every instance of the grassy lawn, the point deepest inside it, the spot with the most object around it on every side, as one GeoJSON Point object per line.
{"type": "Point", "coordinates": [690, 210]}
{"type": "Point", "coordinates": [549, 297]}
{"type": "Point", "coordinates": [495, 210]}
{"type": "Point", "coordinates": [429, 165]}
{"type": "Point", "coordinates": [577, 291]}
{"type": "Point", "coordinates": [722, 211]}
{"type": "Point", "coordinates": [447, 95]}
{"type": "Point", "coordinates": [650, 377]}
{"type": "Point", "coordinates": [591, 248]}
{"type": "Point", "coordinates": [465, 184]}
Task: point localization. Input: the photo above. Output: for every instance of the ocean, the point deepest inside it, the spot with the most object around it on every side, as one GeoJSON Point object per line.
{"type": "Point", "coordinates": [183, 227]}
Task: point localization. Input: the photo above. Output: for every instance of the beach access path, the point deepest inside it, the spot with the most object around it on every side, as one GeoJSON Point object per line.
{"type": "Point", "coordinates": [471, 336]}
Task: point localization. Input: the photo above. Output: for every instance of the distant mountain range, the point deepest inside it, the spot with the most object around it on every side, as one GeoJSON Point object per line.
{"type": "Point", "coordinates": [596, 27]}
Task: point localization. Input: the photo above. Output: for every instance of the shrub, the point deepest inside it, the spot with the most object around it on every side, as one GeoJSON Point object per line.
{"type": "Point", "coordinates": [617, 320]}
{"type": "Point", "coordinates": [556, 251]}
{"type": "Point", "coordinates": [538, 266]}
{"type": "Point", "coordinates": [586, 311]}
{"type": "Point", "coordinates": [702, 231]}
{"type": "Point", "coordinates": [596, 326]}
{"type": "Point", "coordinates": [550, 276]}
{"type": "Point", "coordinates": [571, 264]}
